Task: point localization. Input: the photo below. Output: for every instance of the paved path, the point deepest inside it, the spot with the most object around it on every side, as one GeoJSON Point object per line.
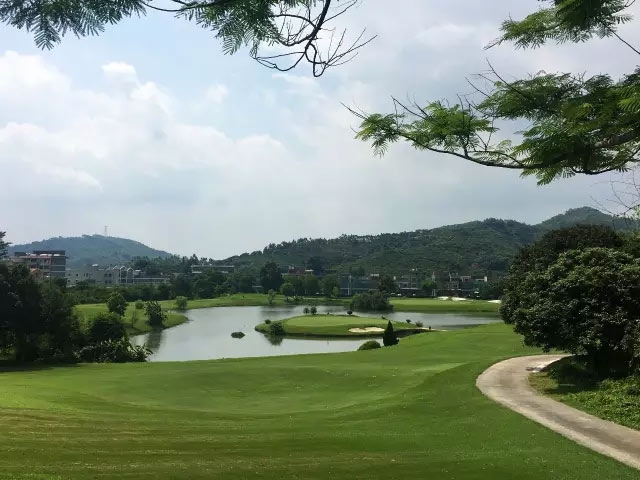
{"type": "Point", "coordinates": [507, 383]}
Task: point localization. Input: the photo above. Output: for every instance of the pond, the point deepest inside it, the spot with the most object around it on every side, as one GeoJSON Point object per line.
{"type": "Point", "coordinates": [207, 334]}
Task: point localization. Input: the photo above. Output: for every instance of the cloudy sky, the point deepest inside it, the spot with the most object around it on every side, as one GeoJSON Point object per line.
{"type": "Point", "coordinates": [151, 130]}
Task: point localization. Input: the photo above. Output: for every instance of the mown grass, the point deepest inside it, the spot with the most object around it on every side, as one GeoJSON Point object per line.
{"type": "Point", "coordinates": [434, 305]}
{"type": "Point", "coordinates": [617, 400]}
{"type": "Point", "coordinates": [334, 325]}
{"type": "Point", "coordinates": [409, 411]}
{"type": "Point", "coordinates": [135, 321]}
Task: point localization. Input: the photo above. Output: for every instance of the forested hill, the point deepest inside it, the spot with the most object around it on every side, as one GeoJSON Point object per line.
{"type": "Point", "coordinates": [468, 248]}
{"type": "Point", "coordinates": [89, 249]}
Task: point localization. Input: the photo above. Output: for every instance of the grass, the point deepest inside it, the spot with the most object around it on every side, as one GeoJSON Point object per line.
{"type": "Point", "coordinates": [434, 305]}
{"type": "Point", "coordinates": [135, 320]}
{"type": "Point", "coordinates": [617, 400]}
{"type": "Point", "coordinates": [334, 326]}
{"type": "Point", "coordinates": [409, 411]}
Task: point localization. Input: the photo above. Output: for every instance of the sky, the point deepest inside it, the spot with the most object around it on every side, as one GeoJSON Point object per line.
{"type": "Point", "coordinates": [151, 130]}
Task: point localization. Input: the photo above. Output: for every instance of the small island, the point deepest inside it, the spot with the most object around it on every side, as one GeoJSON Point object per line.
{"type": "Point", "coordinates": [338, 326]}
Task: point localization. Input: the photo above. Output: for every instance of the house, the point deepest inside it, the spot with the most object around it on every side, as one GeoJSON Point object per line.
{"type": "Point", "coordinates": [224, 269]}
{"type": "Point", "coordinates": [49, 263]}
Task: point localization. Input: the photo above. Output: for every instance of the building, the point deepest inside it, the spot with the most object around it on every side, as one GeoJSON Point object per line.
{"type": "Point", "coordinates": [94, 275]}
{"type": "Point", "coordinates": [49, 263]}
{"type": "Point", "coordinates": [410, 283]}
{"type": "Point", "coordinates": [224, 269]}
{"type": "Point", "coordinates": [350, 285]}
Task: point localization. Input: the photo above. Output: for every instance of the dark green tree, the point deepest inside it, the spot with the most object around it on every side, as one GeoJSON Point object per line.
{"type": "Point", "coordinates": [329, 283]}
{"type": "Point", "coordinates": [181, 303]}
{"type": "Point", "coordinates": [428, 287]}
{"type": "Point", "coordinates": [387, 285]}
{"type": "Point", "coordinates": [316, 264]}
{"type": "Point", "coordinates": [271, 277]}
{"type": "Point", "coordinates": [389, 337]}
{"type": "Point", "coordinates": [294, 25]}
{"type": "Point", "coordinates": [106, 326]}
{"type": "Point", "coordinates": [575, 124]}
{"type": "Point", "coordinates": [3, 245]}
{"type": "Point", "coordinates": [117, 304]}
{"type": "Point", "coordinates": [155, 315]}
{"type": "Point", "coordinates": [271, 296]}
{"type": "Point", "coordinates": [298, 286]}
{"type": "Point", "coordinates": [311, 285]}
{"type": "Point", "coordinates": [287, 290]}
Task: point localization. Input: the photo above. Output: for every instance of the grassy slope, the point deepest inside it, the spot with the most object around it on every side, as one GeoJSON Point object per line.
{"type": "Point", "coordinates": [134, 325]}
{"type": "Point", "coordinates": [617, 400]}
{"type": "Point", "coordinates": [333, 325]}
{"type": "Point", "coordinates": [410, 411]}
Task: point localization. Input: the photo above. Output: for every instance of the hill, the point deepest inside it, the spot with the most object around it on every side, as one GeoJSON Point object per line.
{"type": "Point", "coordinates": [90, 249]}
{"type": "Point", "coordinates": [473, 248]}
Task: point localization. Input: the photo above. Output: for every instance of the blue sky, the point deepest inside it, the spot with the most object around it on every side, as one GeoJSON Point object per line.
{"type": "Point", "coordinates": [151, 130]}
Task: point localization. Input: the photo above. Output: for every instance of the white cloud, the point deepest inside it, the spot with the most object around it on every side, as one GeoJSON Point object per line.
{"type": "Point", "coordinates": [217, 93]}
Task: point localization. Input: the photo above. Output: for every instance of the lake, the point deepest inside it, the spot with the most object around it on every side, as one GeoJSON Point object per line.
{"type": "Point", "coordinates": [207, 334]}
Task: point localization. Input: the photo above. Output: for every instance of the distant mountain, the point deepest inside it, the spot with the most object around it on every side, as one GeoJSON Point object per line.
{"type": "Point", "coordinates": [90, 249]}
{"type": "Point", "coordinates": [469, 248]}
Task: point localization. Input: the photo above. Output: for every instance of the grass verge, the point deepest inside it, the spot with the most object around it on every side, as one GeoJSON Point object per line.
{"type": "Point", "coordinates": [409, 411]}
{"type": "Point", "coordinates": [617, 400]}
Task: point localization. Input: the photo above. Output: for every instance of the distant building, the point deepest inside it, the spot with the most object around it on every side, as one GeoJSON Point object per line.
{"type": "Point", "coordinates": [224, 269]}
{"type": "Point", "coordinates": [49, 263]}
{"type": "Point", "coordinates": [350, 285]}
{"type": "Point", "coordinates": [93, 275]}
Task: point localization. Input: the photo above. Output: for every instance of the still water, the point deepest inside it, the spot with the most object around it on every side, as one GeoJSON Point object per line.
{"type": "Point", "coordinates": [207, 334]}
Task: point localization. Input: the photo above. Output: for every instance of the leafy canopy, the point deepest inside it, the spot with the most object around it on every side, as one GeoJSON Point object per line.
{"type": "Point", "coordinates": [575, 124]}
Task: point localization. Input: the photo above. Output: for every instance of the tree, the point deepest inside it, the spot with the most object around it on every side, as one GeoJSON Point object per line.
{"type": "Point", "coordinates": [155, 315]}
{"type": "Point", "coordinates": [387, 285]}
{"type": "Point", "coordinates": [313, 310]}
{"type": "Point", "coordinates": [271, 296]}
{"type": "Point", "coordinates": [329, 282]}
{"type": "Point", "coordinates": [298, 286]}
{"type": "Point", "coordinates": [3, 245]}
{"type": "Point", "coordinates": [316, 264]}
{"type": "Point", "coordinates": [300, 28]}
{"type": "Point", "coordinates": [429, 287]}
{"type": "Point", "coordinates": [576, 124]}
{"type": "Point", "coordinates": [61, 329]}
{"type": "Point", "coordinates": [106, 326]}
{"type": "Point", "coordinates": [311, 285]}
{"type": "Point", "coordinates": [117, 304]}
{"type": "Point", "coordinates": [588, 303]}
{"type": "Point", "coordinates": [181, 303]}
{"type": "Point", "coordinates": [271, 277]}
{"type": "Point", "coordinates": [389, 337]}
{"type": "Point", "coordinates": [357, 271]}
{"type": "Point", "coordinates": [370, 301]}
{"type": "Point", "coordinates": [287, 290]}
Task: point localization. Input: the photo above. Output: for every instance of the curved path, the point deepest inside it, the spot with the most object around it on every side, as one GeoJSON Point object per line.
{"type": "Point", "coordinates": [507, 383]}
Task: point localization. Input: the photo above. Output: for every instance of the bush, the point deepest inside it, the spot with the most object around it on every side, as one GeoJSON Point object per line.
{"type": "Point", "coordinates": [113, 351]}
{"type": "Point", "coordinates": [116, 303]}
{"type": "Point", "coordinates": [369, 345]}
{"type": "Point", "coordinates": [267, 321]}
{"type": "Point", "coordinates": [276, 329]}
{"type": "Point", "coordinates": [155, 315]}
{"type": "Point", "coordinates": [419, 324]}
{"type": "Point", "coordinates": [106, 327]}
{"type": "Point", "coordinates": [306, 310]}
{"type": "Point", "coordinates": [237, 334]}
{"type": "Point", "coordinates": [389, 337]}
{"type": "Point", "coordinates": [370, 301]}
{"type": "Point", "coordinates": [181, 303]}
{"type": "Point", "coordinates": [349, 312]}
{"type": "Point", "coordinates": [313, 310]}
{"type": "Point", "coordinates": [408, 320]}
{"type": "Point", "coordinates": [139, 304]}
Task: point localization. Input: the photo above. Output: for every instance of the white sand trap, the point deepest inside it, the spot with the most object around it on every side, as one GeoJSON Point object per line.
{"type": "Point", "coordinates": [494, 301]}
{"type": "Point", "coordinates": [459, 299]}
{"type": "Point", "coordinates": [366, 330]}
{"type": "Point", "coordinates": [443, 298]}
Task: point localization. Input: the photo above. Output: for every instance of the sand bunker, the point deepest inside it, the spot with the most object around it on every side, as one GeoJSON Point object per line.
{"type": "Point", "coordinates": [366, 330]}
{"type": "Point", "coordinates": [495, 301]}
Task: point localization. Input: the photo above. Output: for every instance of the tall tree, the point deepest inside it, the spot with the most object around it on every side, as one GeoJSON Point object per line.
{"type": "Point", "coordinates": [387, 285]}
{"type": "Point", "coordinates": [301, 28]}
{"type": "Point", "coordinates": [311, 285]}
{"type": "Point", "coordinates": [4, 246]}
{"type": "Point", "coordinates": [576, 124]}
{"type": "Point", "coordinates": [271, 277]}
{"type": "Point", "coordinates": [329, 283]}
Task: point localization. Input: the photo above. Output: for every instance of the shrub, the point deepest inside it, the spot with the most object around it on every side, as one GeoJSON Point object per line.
{"type": "Point", "coordinates": [408, 320]}
{"type": "Point", "coordinates": [267, 321]}
{"type": "Point", "coordinates": [389, 337]}
{"type": "Point", "coordinates": [349, 312]}
{"type": "Point", "coordinates": [271, 296]}
{"type": "Point", "coordinates": [419, 324]}
{"type": "Point", "coordinates": [181, 303]}
{"type": "Point", "coordinates": [237, 334]}
{"type": "Point", "coordinates": [116, 303]}
{"type": "Point", "coordinates": [139, 304]}
{"type": "Point", "coordinates": [370, 301]}
{"type": "Point", "coordinates": [105, 327]}
{"type": "Point", "coordinates": [276, 329]}
{"type": "Point", "coordinates": [306, 310]}
{"type": "Point", "coordinates": [155, 315]}
{"type": "Point", "coordinates": [369, 345]}
{"type": "Point", "coordinates": [113, 351]}
{"type": "Point", "coordinates": [313, 310]}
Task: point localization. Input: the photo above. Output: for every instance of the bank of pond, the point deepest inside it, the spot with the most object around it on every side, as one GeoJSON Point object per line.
{"type": "Point", "coordinates": [207, 332]}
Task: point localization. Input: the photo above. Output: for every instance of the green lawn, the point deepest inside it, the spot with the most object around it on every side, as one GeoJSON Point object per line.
{"type": "Point", "coordinates": [334, 325]}
{"type": "Point", "coordinates": [617, 400]}
{"type": "Point", "coordinates": [135, 320]}
{"type": "Point", "coordinates": [434, 305]}
{"type": "Point", "coordinates": [407, 412]}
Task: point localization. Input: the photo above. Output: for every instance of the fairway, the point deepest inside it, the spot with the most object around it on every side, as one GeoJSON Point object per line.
{"type": "Point", "coordinates": [409, 411]}
{"type": "Point", "coordinates": [335, 325]}
{"type": "Point", "coordinates": [434, 305]}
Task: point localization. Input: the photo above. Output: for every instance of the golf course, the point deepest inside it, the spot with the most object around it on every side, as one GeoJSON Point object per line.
{"type": "Point", "coordinates": [409, 411]}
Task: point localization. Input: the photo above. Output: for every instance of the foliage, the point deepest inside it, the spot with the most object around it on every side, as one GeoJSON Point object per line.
{"type": "Point", "coordinates": [419, 324]}
{"type": "Point", "coordinates": [408, 320]}
{"type": "Point", "coordinates": [116, 304]}
{"type": "Point", "coordinates": [329, 283]}
{"type": "Point", "coordinates": [287, 290]}
{"type": "Point", "coordinates": [237, 334]}
{"type": "Point", "coordinates": [155, 315]}
{"type": "Point", "coordinates": [387, 285]}
{"type": "Point", "coordinates": [575, 124]}
{"type": "Point", "coordinates": [271, 295]}
{"type": "Point", "coordinates": [369, 345]}
{"type": "Point", "coordinates": [349, 312]}
{"type": "Point", "coordinates": [311, 285]}
{"type": "Point", "coordinates": [428, 286]}
{"type": "Point", "coordinates": [113, 351]}
{"type": "Point", "coordinates": [276, 329]}
{"type": "Point", "coordinates": [106, 326]}
{"type": "Point", "coordinates": [271, 277]}
{"type": "Point", "coordinates": [389, 337]}
{"type": "Point", "coordinates": [267, 321]}
{"type": "Point", "coordinates": [587, 302]}
{"type": "Point", "coordinates": [139, 304]}
{"type": "Point", "coordinates": [370, 301]}
{"type": "Point", "coordinates": [306, 310]}
{"type": "Point", "coordinates": [4, 246]}
{"type": "Point", "coordinates": [181, 303]}
{"type": "Point", "coordinates": [313, 310]}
